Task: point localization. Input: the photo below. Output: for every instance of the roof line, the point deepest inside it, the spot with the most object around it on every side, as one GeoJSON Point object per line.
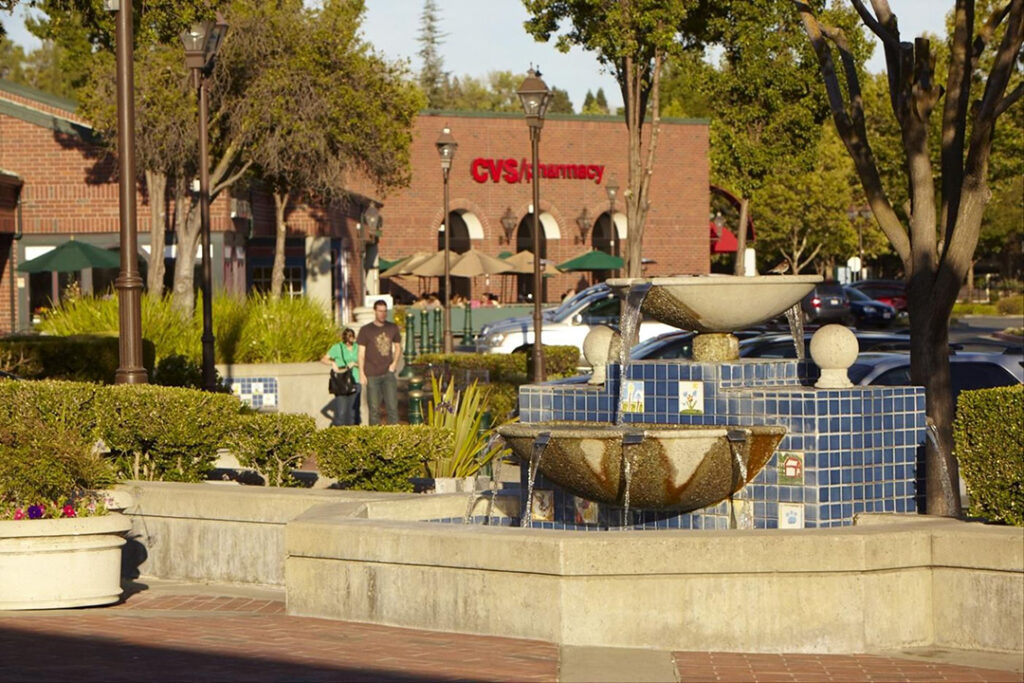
{"type": "Point", "coordinates": [46, 120]}
{"type": "Point", "coordinates": [39, 96]}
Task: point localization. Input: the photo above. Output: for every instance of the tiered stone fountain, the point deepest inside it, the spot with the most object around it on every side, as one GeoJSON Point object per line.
{"type": "Point", "coordinates": [716, 442]}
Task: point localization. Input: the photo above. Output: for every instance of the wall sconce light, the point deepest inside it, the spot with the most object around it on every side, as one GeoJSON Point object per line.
{"type": "Point", "coordinates": [508, 224]}
{"type": "Point", "coordinates": [584, 223]}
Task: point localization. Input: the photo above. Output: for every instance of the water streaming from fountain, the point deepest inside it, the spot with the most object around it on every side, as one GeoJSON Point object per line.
{"type": "Point", "coordinates": [629, 439]}
{"type": "Point", "coordinates": [539, 444]}
{"type": "Point", "coordinates": [495, 479]}
{"type": "Point", "coordinates": [932, 432]}
{"type": "Point", "coordinates": [737, 439]}
{"type": "Point", "coordinates": [471, 503]}
{"type": "Point", "coordinates": [629, 329]}
{"type": "Point", "coordinates": [795, 317]}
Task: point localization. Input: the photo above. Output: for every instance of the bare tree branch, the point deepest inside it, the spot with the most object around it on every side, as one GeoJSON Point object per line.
{"type": "Point", "coordinates": [1008, 101]}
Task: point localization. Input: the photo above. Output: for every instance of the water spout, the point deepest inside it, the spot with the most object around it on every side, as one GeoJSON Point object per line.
{"type": "Point", "coordinates": [795, 317]}
{"type": "Point", "coordinates": [628, 439]}
{"type": "Point", "coordinates": [932, 433]}
{"type": "Point", "coordinates": [629, 328]}
{"type": "Point", "coordinates": [539, 444]}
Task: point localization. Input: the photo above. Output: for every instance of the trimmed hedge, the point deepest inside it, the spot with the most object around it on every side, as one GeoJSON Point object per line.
{"type": "Point", "coordinates": [82, 358]}
{"type": "Point", "coordinates": [272, 444]}
{"type": "Point", "coordinates": [164, 433]}
{"type": "Point", "coordinates": [46, 442]}
{"type": "Point", "coordinates": [375, 458]}
{"type": "Point", "coordinates": [988, 436]}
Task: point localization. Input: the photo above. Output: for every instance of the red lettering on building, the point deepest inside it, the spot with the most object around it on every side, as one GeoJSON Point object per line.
{"type": "Point", "coordinates": [521, 171]}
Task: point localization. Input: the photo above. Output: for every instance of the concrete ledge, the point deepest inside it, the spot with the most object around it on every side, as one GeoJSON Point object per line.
{"type": "Point", "coordinates": [884, 586]}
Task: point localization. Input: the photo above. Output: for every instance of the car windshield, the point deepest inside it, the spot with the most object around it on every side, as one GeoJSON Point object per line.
{"type": "Point", "coordinates": [857, 295]}
{"type": "Point", "coordinates": [574, 302]}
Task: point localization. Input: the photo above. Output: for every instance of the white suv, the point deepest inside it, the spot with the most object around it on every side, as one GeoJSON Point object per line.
{"type": "Point", "coordinates": [565, 325]}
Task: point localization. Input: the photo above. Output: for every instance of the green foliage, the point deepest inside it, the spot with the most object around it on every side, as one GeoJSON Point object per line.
{"type": "Point", "coordinates": [374, 458]}
{"type": "Point", "coordinates": [164, 433]}
{"type": "Point", "coordinates": [988, 438]}
{"type": "Point", "coordinates": [81, 357]}
{"type": "Point", "coordinates": [254, 330]}
{"type": "Point", "coordinates": [433, 79]}
{"type": "Point", "coordinates": [461, 414]}
{"type": "Point", "coordinates": [46, 443]}
{"type": "Point", "coordinates": [1011, 305]}
{"type": "Point", "coordinates": [272, 444]}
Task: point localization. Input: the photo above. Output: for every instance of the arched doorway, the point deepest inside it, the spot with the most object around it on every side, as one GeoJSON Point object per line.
{"type": "Point", "coordinates": [524, 242]}
{"type": "Point", "coordinates": [459, 245]}
{"type": "Point", "coordinates": [604, 239]}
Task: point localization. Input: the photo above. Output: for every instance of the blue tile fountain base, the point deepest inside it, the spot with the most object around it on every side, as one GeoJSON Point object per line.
{"type": "Point", "coordinates": [845, 451]}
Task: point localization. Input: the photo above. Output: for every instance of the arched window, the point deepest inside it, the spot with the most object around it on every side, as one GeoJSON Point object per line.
{"type": "Point", "coordinates": [524, 242]}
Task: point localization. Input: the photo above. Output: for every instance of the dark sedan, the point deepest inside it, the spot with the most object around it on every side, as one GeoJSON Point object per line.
{"type": "Point", "coordinates": [869, 312]}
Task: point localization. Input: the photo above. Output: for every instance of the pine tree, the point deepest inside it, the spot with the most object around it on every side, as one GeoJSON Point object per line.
{"type": "Point", "coordinates": [433, 78]}
{"type": "Point", "coordinates": [600, 101]}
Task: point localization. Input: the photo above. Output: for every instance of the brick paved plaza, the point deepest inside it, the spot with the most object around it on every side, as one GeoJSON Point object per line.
{"type": "Point", "coordinates": [202, 633]}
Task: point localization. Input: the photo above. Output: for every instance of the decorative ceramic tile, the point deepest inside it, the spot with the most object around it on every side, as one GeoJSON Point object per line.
{"type": "Point", "coordinates": [633, 401]}
{"type": "Point", "coordinates": [791, 468]}
{"type": "Point", "coordinates": [586, 510]}
{"type": "Point", "coordinates": [543, 509]}
{"type": "Point", "coordinates": [691, 398]}
{"type": "Point", "coordinates": [791, 516]}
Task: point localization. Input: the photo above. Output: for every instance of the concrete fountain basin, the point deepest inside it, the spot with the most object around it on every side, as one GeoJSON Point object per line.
{"type": "Point", "coordinates": [719, 303]}
{"type": "Point", "coordinates": [673, 467]}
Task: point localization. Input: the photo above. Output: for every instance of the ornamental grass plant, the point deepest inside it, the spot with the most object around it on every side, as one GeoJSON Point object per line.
{"type": "Point", "coordinates": [461, 413]}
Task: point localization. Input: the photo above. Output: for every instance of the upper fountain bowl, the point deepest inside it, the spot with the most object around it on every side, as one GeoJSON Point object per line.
{"type": "Point", "coordinates": [718, 303]}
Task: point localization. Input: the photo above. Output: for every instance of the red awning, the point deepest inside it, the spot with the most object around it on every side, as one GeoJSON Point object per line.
{"type": "Point", "coordinates": [723, 241]}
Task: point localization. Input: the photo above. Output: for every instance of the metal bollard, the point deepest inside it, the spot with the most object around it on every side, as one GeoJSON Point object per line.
{"type": "Point", "coordinates": [410, 345]}
{"type": "Point", "coordinates": [423, 332]}
{"type": "Point", "coordinates": [435, 336]}
{"type": "Point", "coordinates": [415, 407]}
{"type": "Point", "coordinates": [467, 327]}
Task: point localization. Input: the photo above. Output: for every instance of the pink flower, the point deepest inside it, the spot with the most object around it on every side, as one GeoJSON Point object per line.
{"type": "Point", "coordinates": [19, 514]}
{"type": "Point", "coordinates": [68, 510]}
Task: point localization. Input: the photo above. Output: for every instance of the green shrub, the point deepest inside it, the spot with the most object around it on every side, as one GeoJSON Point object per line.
{"type": "Point", "coordinates": [374, 458]}
{"type": "Point", "coordinates": [1013, 305]}
{"type": "Point", "coordinates": [46, 443]}
{"type": "Point", "coordinates": [272, 444]}
{"type": "Point", "coordinates": [164, 433]}
{"type": "Point", "coordinates": [988, 438]}
{"type": "Point", "coordinates": [461, 413]}
{"type": "Point", "coordinates": [254, 330]}
{"type": "Point", "coordinates": [974, 309]}
{"type": "Point", "coordinates": [83, 358]}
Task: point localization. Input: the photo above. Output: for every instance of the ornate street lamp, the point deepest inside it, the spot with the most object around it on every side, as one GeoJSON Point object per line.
{"type": "Point", "coordinates": [446, 147]}
{"type": "Point", "coordinates": [201, 44]}
{"type": "Point", "coordinates": [535, 97]}
{"type": "Point", "coordinates": [583, 222]}
{"type": "Point", "coordinates": [129, 283]}
{"type": "Point", "coordinates": [508, 224]}
{"type": "Point", "coordinates": [612, 190]}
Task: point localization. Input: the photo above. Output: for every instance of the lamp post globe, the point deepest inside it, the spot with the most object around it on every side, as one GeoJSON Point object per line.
{"type": "Point", "coordinates": [446, 147]}
{"type": "Point", "coordinates": [535, 97]}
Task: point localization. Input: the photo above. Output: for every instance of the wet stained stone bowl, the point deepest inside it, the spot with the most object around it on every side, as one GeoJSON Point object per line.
{"type": "Point", "coordinates": [718, 303]}
{"type": "Point", "coordinates": [674, 467]}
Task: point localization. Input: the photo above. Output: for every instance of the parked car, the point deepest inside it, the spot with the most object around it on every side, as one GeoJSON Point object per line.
{"type": "Point", "coordinates": [867, 311]}
{"type": "Point", "coordinates": [781, 345]}
{"type": "Point", "coordinates": [567, 324]}
{"type": "Point", "coordinates": [892, 292]}
{"type": "Point", "coordinates": [827, 303]}
{"type": "Point", "coordinates": [968, 370]}
{"type": "Point", "coordinates": [675, 345]}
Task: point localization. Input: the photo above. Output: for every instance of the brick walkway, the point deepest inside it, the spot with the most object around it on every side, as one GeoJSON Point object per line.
{"type": "Point", "coordinates": [156, 636]}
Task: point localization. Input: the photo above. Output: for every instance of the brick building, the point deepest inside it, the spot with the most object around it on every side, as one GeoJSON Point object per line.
{"type": "Point", "coordinates": [55, 182]}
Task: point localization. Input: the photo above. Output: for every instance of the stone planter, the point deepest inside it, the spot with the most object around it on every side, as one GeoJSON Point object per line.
{"type": "Point", "coordinates": [51, 563]}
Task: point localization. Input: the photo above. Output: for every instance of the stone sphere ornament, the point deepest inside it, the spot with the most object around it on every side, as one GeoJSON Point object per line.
{"type": "Point", "coordinates": [601, 345]}
{"type": "Point", "coordinates": [834, 348]}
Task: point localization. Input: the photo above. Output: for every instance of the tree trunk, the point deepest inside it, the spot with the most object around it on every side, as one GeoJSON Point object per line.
{"type": "Point", "coordinates": [277, 274]}
{"type": "Point", "coordinates": [187, 225]}
{"type": "Point", "coordinates": [157, 185]}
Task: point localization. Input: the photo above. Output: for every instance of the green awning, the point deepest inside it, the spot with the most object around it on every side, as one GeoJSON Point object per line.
{"type": "Point", "coordinates": [592, 260]}
{"type": "Point", "coordinates": [383, 263]}
{"type": "Point", "coordinates": [504, 254]}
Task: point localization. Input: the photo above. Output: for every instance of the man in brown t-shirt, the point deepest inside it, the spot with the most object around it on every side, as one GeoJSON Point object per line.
{"type": "Point", "coordinates": [380, 347]}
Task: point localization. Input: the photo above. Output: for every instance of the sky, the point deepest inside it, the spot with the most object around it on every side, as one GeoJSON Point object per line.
{"type": "Point", "coordinates": [488, 35]}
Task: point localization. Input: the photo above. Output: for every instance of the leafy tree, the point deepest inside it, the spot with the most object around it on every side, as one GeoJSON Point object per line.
{"type": "Point", "coordinates": [595, 104]}
{"type": "Point", "coordinates": [307, 113]}
{"type": "Point", "coordinates": [497, 92]}
{"type": "Point", "coordinates": [434, 80]}
{"type": "Point", "coordinates": [561, 103]}
{"type": "Point", "coordinates": [937, 240]}
{"type": "Point", "coordinates": [43, 70]}
{"type": "Point", "coordinates": [631, 38]}
{"type": "Point", "coordinates": [12, 61]}
{"type": "Point", "coordinates": [685, 91]}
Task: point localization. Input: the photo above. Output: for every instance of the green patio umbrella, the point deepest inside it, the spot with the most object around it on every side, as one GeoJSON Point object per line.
{"type": "Point", "coordinates": [592, 260]}
{"type": "Point", "coordinates": [384, 264]}
{"type": "Point", "coordinates": [70, 257]}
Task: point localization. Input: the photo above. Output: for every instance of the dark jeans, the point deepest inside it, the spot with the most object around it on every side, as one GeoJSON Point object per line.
{"type": "Point", "coordinates": [346, 409]}
{"type": "Point", "coordinates": [382, 387]}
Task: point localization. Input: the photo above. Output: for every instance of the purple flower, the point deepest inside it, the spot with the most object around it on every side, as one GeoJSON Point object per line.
{"type": "Point", "coordinates": [35, 511]}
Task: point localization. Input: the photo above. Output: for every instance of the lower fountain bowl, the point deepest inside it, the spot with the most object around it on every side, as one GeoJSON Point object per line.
{"type": "Point", "coordinates": [673, 467]}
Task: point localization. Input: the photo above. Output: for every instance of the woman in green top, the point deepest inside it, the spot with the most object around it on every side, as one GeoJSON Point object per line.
{"type": "Point", "coordinates": [345, 354]}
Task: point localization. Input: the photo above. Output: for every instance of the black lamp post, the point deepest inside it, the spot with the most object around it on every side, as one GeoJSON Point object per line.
{"type": "Point", "coordinates": [368, 232]}
{"type": "Point", "coordinates": [446, 147]}
{"type": "Point", "coordinates": [612, 190]}
{"type": "Point", "coordinates": [201, 44]}
{"type": "Point", "coordinates": [535, 97]}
